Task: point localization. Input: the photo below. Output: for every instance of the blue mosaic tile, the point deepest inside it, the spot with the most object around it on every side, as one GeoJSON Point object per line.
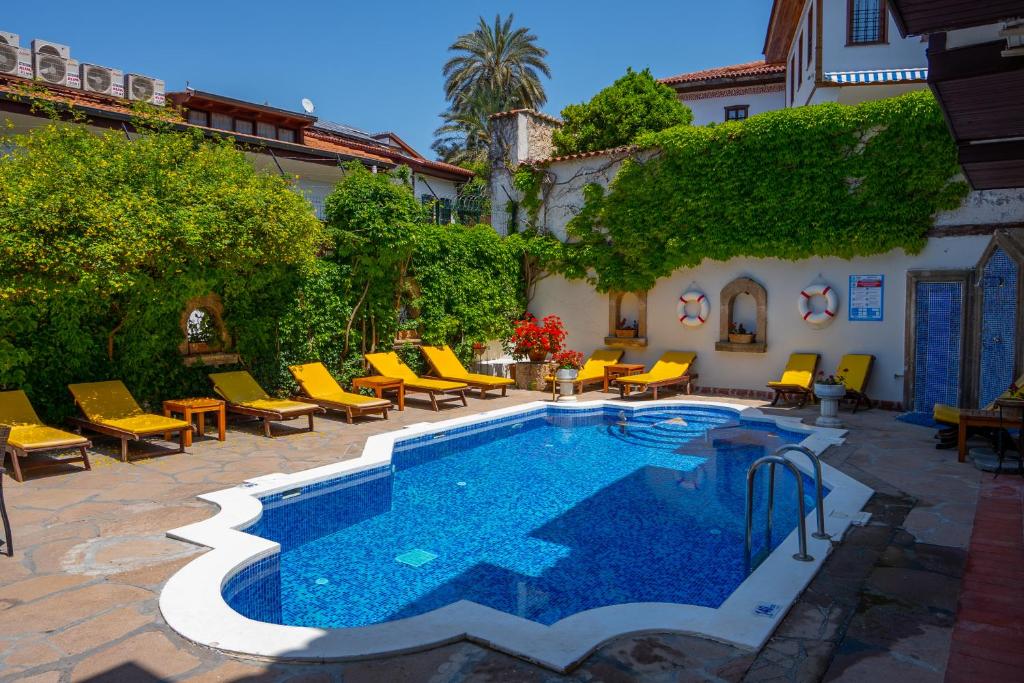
{"type": "Point", "coordinates": [542, 516]}
{"type": "Point", "coordinates": [937, 329]}
{"type": "Point", "coordinates": [998, 326]}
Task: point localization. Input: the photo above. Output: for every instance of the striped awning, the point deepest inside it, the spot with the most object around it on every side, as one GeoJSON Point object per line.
{"type": "Point", "coordinates": [877, 76]}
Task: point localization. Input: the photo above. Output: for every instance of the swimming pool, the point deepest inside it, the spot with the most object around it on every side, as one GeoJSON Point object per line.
{"type": "Point", "coordinates": [541, 518]}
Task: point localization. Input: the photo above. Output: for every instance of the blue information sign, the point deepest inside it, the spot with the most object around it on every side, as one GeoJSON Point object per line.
{"type": "Point", "coordinates": [866, 297]}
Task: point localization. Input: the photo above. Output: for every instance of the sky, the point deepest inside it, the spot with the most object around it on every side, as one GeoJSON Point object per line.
{"type": "Point", "coordinates": [377, 66]}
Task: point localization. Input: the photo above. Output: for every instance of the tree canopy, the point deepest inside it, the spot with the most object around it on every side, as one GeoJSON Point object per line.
{"type": "Point", "coordinates": [633, 105]}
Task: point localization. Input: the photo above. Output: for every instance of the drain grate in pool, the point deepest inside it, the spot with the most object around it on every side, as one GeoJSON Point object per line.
{"type": "Point", "coordinates": [416, 558]}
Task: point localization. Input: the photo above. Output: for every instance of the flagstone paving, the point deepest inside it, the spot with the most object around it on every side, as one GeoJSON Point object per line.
{"type": "Point", "coordinates": [78, 601]}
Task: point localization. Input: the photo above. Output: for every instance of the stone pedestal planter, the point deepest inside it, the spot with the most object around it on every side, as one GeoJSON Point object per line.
{"type": "Point", "coordinates": [565, 378]}
{"type": "Point", "coordinates": [531, 375]}
{"type": "Point", "coordinates": [829, 396]}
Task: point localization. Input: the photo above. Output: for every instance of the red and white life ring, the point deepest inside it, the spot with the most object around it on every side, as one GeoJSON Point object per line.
{"type": "Point", "coordinates": [821, 318]}
{"type": "Point", "coordinates": [693, 319]}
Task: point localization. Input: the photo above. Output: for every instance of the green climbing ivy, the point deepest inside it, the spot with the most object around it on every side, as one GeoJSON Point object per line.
{"type": "Point", "coordinates": [825, 180]}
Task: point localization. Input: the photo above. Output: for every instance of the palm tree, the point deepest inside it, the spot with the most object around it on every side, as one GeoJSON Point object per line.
{"type": "Point", "coordinates": [500, 59]}
{"type": "Point", "coordinates": [464, 136]}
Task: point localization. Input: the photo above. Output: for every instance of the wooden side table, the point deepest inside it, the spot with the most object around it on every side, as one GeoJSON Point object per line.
{"type": "Point", "coordinates": [379, 384]}
{"type": "Point", "coordinates": [198, 407]}
{"type": "Point", "coordinates": [619, 370]}
{"type": "Point", "coordinates": [974, 418]}
{"type": "Point", "coordinates": [1011, 406]}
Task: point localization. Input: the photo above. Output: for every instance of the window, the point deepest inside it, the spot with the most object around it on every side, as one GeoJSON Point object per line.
{"type": "Point", "coordinates": [810, 33]}
{"type": "Point", "coordinates": [441, 209]}
{"type": "Point", "coordinates": [197, 118]}
{"type": "Point", "coordinates": [221, 121]}
{"type": "Point", "coordinates": [244, 127]}
{"type": "Point", "coordinates": [867, 19]}
{"type": "Point", "coordinates": [266, 130]}
{"type": "Point", "coordinates": [737, 112]}
{"type": "Point", "coordinates": [286, 135]}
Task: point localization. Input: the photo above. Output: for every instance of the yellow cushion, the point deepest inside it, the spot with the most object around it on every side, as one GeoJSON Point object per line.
{"type": "Point", "coordinates": [671, 365]}
{"type": "Point", "coordinates": [15, 409]}
{"type": "Point", "coordinates": [434, 384]}
{"type": "Point", "coordinates": [947, 414]}
{"type": "Point", "coordinates": [390, 365]}
{"type": "Point", "coordinates": [36, 436]}
{"type": "Point", "coordinates": [445, 362]}
{"type": "Point", "coordinates": [277, 405]}
{"type": "Point", "coordinates": [595, 365]}
{"type": "Point", "coordinates": [237, 387]}
{"type": "Point", "coordinates": [105, 401]}
{"type": "Point", "coordinates": [315, 380]}
{"type": "Point", "coordinates": [854, 369]}
{"type": "Point", "coordinates": [485, 380]}
{"type": "Point", "coordinates": [145, 423]}
{"type": "Point", "coordinates": [799, 371]}
{"type": "Point", "coordinates": [348, 399]}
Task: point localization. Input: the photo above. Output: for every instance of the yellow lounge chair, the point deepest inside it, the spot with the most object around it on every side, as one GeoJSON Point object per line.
{"type": "Point", "coordinates": [318, 386]}
{"type": "Point", "coordinates": [245, 397]}
{"type": "Point", "coordinates": [672, 368]}
{"type": "Point", "coordinates": [445, 364]}
{"type": "Point", "coordinates": [30, 435]}
{"type": "Point", "coordinates": [109, 408]}
{"type": "Point", "coordinates": [797, 378]}
{"type": "Point", "coordinates": [390, 365]}
{"type": "Point", "coordinates": [592, 371]}
{"type": "Point", "coordinates": [951, 415]}
{"type": "Point", "coordinates": [855, 369]}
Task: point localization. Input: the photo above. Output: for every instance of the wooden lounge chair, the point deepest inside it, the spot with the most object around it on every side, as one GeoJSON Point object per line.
{"type": "Point", "coordinates": [950, 415]}
{"type": "Point", "coordinates": [244, 396]}
{"type": "Point", "coordinates": [390, 365]}
{"type": "Point", "coordinates": [445, 364]}
{"type": "Point", "coordinates": [592, 371]}
{"type": "Point", "coordinates": [672, 368]}
{"type": "Point", "coordinates": [8, 541]}
{"type": "Point", "coordinates": [797, 379]}
{"type": "Point", "coordinates": [30, 435]}
{"type": "Point", "coordinates": [855, 369]}
{"type": "Point", "coordinates": [316, 385]}
{"type": "Point", "coordinates": [109, 409]}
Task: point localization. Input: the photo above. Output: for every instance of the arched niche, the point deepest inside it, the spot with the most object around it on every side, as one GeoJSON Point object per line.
{"type": "Point", "coordinates": [205, 338]}
{"type": "Point", "coordinates": [743, 286]}
{"type": "Point", "coordinates": [632, 306]}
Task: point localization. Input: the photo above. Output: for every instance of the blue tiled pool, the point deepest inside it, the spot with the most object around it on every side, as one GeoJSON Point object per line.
{"type": "Point", "coordinates": [541, 515]}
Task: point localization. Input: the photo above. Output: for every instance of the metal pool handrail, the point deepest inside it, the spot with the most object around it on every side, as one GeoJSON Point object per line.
{"type": "Point", "coordinates": [819, 495]}
{"type": "Point", "coordinates": [772, 461]}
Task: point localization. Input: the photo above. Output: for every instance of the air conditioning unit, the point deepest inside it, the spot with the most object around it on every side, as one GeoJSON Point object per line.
{"type": "Point", "coordinates": [14, 59]}
{"type": "Point", "coordinates": [101, 80]}
{"type": "Point", "coordinates": [51, 63]}
{"type": "Point", "coordinates": [144, 89]}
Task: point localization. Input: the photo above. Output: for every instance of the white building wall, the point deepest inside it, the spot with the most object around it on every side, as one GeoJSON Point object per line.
{"type": "Point", "coordinates": [837, 56]}
{"type": "Point", "coordinates": [585, 313]}
{"type": "Point", "coordinates": [712, 109]}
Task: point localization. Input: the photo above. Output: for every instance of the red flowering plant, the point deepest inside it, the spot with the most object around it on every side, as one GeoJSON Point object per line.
{"type": "Point", "coordinates": [1015, 391]}
{"type": "Point", "coordinates": [830, 379]}
{"type": "Point", "coordinates": [533, 338]}
{"type": "Point", "coordinates": [568, 360]}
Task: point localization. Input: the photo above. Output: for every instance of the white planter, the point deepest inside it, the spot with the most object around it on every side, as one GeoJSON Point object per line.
{"type": "Point", "coordinates": [829, 396]}
{"type": "Point", "coordinates": [566, 388]}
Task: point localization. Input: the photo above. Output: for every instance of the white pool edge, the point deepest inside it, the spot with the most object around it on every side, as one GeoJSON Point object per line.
{"type": "Point", "coordinates": [192, 603]}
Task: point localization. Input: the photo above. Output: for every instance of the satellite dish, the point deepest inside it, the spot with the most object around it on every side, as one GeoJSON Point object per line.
{"type": "Point", "coordinates": [307, 105]}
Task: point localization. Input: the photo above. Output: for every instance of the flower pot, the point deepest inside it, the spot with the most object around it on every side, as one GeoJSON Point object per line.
{"type": "Point", "coordinates": [537, 355]}
{"type": "Point", "coordinates": [566, 388]}
{"type": "Point", "coordinates": [626, 334]}
{"type": "Point", "coordinates": [741, 338]}
{"type": "Point", "coordinates": [829, 396]}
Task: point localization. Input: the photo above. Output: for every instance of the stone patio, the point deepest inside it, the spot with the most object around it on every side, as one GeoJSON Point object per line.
{"type": "Point", "coordinates": [78, 601]}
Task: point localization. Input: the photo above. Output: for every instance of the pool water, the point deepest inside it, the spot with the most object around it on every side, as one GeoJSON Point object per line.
{"type": "Point", "coordinates": [541, 516]}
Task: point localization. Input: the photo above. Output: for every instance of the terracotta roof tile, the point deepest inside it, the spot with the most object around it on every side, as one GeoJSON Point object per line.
{"type": "Point", "coordinates": [317, 136]}
{"type": "Point", "coordinates": [745, 70]}
{"type": "Point", "coordinates": [623, 149]}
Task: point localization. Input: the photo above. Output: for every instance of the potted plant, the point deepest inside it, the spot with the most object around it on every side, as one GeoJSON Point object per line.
{"type": "Point", "coordinates": [567, 364]}
{"type": "Point", "coordinates": [739, 335]}
{"type": "Point", "coordinates": [535, 340]}
{"type": "Point", "coordinates": [829, 389]}
{"type": "Point", "coordinates": [625, 331]}
{"type": "Point", "coordinates": [407, 329]}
